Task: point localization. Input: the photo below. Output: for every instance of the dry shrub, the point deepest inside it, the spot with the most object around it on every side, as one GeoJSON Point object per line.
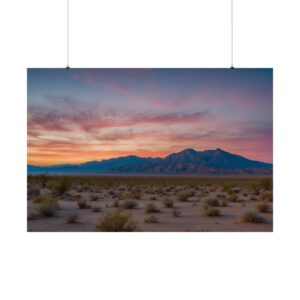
{"type": "Point", "coordinates": [252, 217]}
{"type": "Point", "coordinates": [263, 207]}
{"type": "Point", "coordinates": [184, 195]}
{"type": "Point", "coordinates": [48, 208]}
{"type": "Point", "coordinates": [176, 212]}
{"type": "Point", "coordinates": [151, 219]}
{"type": "Point", "coordinates": [211, 202]}
{"type": "Point", "coordinates": [96, 209]}
{"type": "Point", "coordinates": [267, 196]}
{"type": "Point", "coordinates": [116, 221]}
{"type": "Point", "coordinates": [130, 204]}
{"type": "Point", "coordinates": [212, 212]}
{"type": "Point", "coordinates": [72, 218]}
{"type": "Point", "coordinates": [82, 204]}
{"type": "Point", "coordinates": [32, 215]}
{"type": "Point", "coordinates": [168, 203]}
{"type": "Point", "coordinates": [62, 185]}
{"type": "Point", "coordinates": [152, 208]}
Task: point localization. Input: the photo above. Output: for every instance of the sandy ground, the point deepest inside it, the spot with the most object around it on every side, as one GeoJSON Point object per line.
{"type": "Point", "coordinates": [192, 211]}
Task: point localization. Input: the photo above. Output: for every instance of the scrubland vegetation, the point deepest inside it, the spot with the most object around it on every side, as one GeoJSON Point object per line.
{"type": "Point", "coordinates": [154, 203]}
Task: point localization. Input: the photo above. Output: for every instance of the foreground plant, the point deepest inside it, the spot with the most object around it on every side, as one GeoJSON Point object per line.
{"type": "Point", "coordinates": [151, 219]}
{"type": "Point", "coordinates": [47, 206]}
{"type": "Point", "coordinates": [252, 217]}
{"type": "Point", "coordinates": [72, 219]}
{"type": "Point", "coordinates": [117, 221]}
{"type": "Point", "coordinates": [263, 207]}
{"type": "Point", "coordinates": [152, 208]}
{"type": "Point", "coordinates": [212, 212]}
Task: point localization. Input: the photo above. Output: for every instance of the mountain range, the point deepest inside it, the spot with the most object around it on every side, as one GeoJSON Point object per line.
{"type": "Point", "coordinates": [188, 161]}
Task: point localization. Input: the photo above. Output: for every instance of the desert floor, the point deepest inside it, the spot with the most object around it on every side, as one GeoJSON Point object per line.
{"type": "Point", "coordinates": [183, 204]}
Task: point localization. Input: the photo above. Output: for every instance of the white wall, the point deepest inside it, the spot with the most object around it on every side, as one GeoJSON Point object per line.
{"type": "Point", "coordinates": [156, 33]}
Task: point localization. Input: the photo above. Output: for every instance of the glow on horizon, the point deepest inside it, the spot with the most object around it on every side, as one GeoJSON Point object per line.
{"type": "Point", "coordinates": [79, 115]}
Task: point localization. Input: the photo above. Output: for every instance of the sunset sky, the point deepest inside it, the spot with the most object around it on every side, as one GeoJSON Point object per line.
{"type": "Point", "coordinates": [79, 115]}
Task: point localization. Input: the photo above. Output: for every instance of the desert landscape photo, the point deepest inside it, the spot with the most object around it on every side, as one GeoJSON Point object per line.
{"type": "Point", "coordinates": [150, 150]}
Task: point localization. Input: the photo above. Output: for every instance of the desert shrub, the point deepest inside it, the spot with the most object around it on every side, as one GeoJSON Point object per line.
{"type": "Point", "coordinates": [176, 212]}
{"type": "Point", "coordinates": [267, 195]}
{"type": "Point", "coordinates": [252, 217]}
{"type": "Point", "coordinates": [227, 186]}
{"type": "Point", "coordinates": [263, 207]}
{"type": "Point", "coordinates": [62, 185]}
{"type": "Point", "coordinates": [94, 198]}
{"type": "Point", "coordinates": [82, 204]}
{"type": "Point", "coordinates": [149, 190]}
{"type": "Point", "coordinates": [39, 199]}
{"type": "Point", "coordinates": [256, 186]}
{"type": "Point", "coordinates": [136, 194]}
{"type": "Point", "coordinates": [43, 179]}
{"type": "Point", "coordinates": [223, 202]}
{"type": "Point", "coordinates": [152, 208]}
{"type": "Point", "coordinates": [32, 215]}
{"type": "Point", "coordinates": [116, 221]}
{"type": "Point", "coordinates": [183, 196]}
{"type": "Point", "coordinates": [96, 209]}
{"type": "Point", "coordinates": [48, 208]}
{"type": "Point", "coordinates": [168, 203]}
{"type": "Point", "coordinates": [130, 204]}
{"type": "Point", "coordinates": [233, 198]}
{"type": "Point", "coordinates": [133, 194]}
{"type": "Point", "coordinates": [211, 202]}
{"type": "Point", "coordinates": [151, 219]}
{"type": "Point", "coordinates": [266, 183]}
{"type": "Point", "coordinates": [212, 212]}
{"type": "Point", "coordinates": [45, 199]}
{"type": "Point", "coordinates": [116, 203]}
{"type": "Point", "coordinates": [72, 218]}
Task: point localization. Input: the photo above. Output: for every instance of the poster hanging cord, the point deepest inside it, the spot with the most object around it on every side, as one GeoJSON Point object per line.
{"type": "Point", "coordinates": [232, 67]}
{"type": "Point", "coordinates": [68, 34]}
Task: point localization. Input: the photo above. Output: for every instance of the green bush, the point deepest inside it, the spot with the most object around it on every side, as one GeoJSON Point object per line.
{"type": "Point", "coordinates": [116, 221]}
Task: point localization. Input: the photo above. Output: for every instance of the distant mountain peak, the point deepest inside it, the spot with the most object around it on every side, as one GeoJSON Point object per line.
{"type": "Point", "coordinates": [187, 161]}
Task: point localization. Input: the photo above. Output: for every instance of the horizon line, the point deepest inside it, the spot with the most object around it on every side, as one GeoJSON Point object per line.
{"type": "Point", "coordinates": [69, 164]}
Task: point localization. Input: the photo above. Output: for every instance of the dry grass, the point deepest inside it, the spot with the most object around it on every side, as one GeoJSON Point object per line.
{"type": "Point", "coordinates": [116, 221]}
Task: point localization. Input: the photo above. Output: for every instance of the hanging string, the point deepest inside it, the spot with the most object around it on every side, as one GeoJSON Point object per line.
{"type": "Point", "coordinates": [68, 34]}
{"type": "Point", "coordinates": [232, 67]}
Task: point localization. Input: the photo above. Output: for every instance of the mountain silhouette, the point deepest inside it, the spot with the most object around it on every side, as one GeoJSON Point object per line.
{"type": "Point", "coordinates": [188, 161]}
